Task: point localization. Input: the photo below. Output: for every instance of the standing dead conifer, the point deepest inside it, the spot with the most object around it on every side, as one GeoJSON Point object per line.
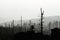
{"type": "Point", "coordinates": [42, 12]}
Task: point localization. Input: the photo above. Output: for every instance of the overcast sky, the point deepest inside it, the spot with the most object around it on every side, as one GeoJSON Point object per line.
{"type": "Point", "coordinates": [14, 9]}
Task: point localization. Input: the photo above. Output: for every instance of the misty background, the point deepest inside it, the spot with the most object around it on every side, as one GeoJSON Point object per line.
{"type": "Point", "coordinates": [28, 9]}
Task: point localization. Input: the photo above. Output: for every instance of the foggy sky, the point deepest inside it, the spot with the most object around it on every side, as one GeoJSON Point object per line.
{"type": "Point", "coordinates": [14, 9]}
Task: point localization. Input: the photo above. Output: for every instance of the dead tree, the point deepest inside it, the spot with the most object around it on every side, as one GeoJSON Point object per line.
{"type": "Point", "coordinates": [42, 21]}
{"type": "Point", "coordinates": [29, 22]}
{"type": "Point", "coordinates": [21, 24]}
{"type": "Point", "coordinates": [12, 24]}
{"type": "Point", "coordinates": [9, 27]}
{"type": "Point", "coordinates": [49, 25]}
{"type": "Point", "coordinates": [21, 21]}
